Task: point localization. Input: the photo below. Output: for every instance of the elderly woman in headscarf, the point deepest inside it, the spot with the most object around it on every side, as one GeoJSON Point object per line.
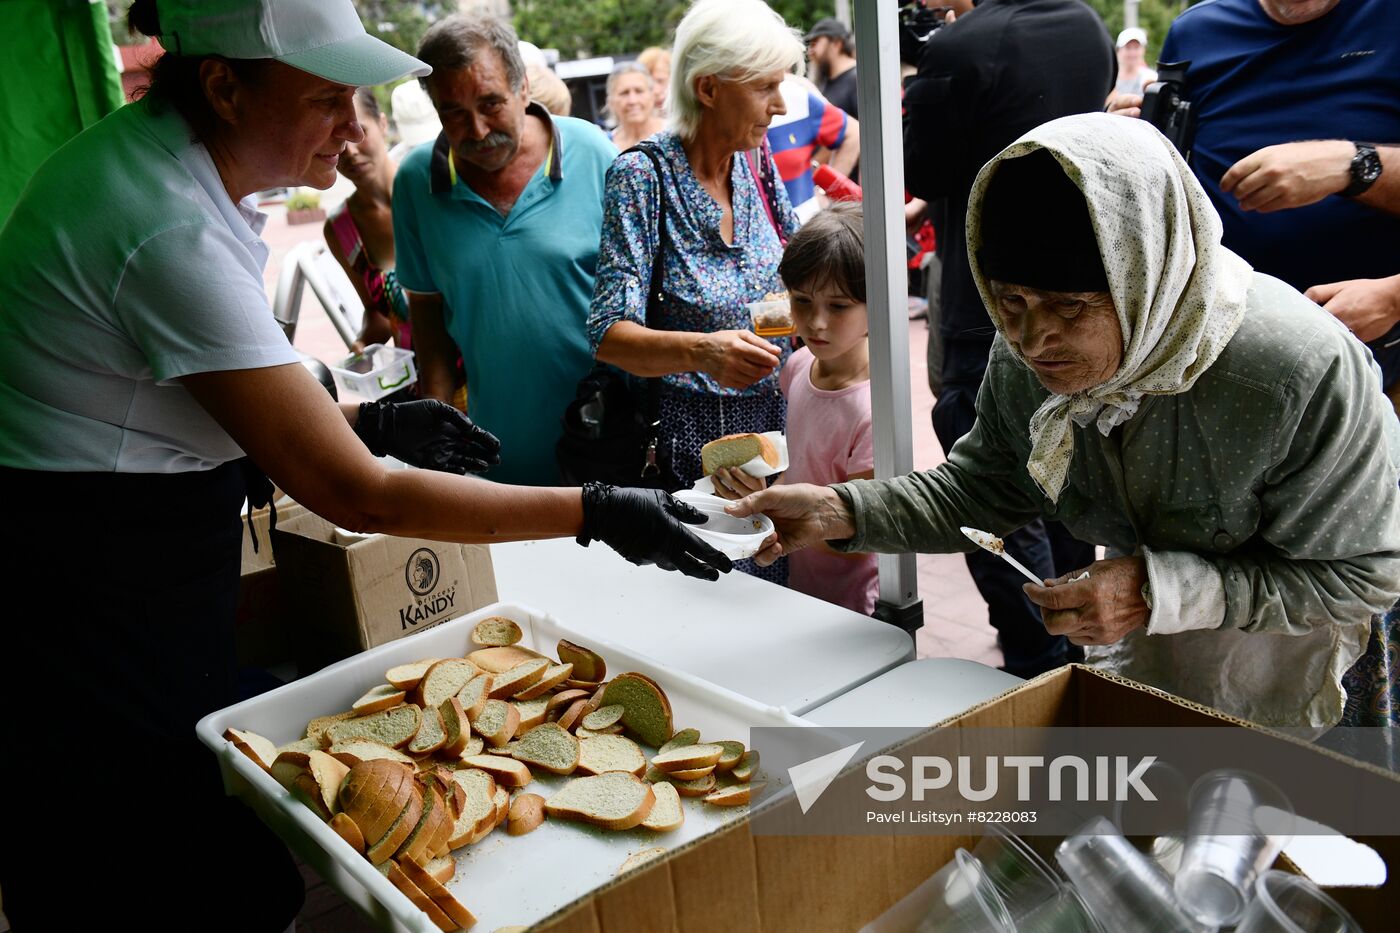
{"type": "Point", "coordinates": [723, 237]}
{"type": "Point", "coordinates": [1148, 389]}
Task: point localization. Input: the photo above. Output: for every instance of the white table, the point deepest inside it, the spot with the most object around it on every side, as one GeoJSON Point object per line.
{"type": "Point", "coordinates": [762, 641]}
{"type": "Point", "coordinates": [916, 694]}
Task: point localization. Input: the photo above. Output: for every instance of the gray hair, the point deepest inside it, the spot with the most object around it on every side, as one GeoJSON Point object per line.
{"type": "Point", "coordinates": [738, 40]}
{"type": "Point", "coordinates": [453, 43]}
{"type": "Point", "coordinates": [628, 68]}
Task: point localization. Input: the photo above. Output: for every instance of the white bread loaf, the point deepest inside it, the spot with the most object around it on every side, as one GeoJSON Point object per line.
{"type": "Point", "coordinates": [734, 450]}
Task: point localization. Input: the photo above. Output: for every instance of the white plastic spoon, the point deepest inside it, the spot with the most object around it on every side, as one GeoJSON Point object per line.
{"type": "Point", "coordinates": [990, 542]}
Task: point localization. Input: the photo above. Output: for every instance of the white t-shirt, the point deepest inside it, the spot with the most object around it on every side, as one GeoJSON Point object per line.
{"type": "Point", "coordinates": [125, 266]}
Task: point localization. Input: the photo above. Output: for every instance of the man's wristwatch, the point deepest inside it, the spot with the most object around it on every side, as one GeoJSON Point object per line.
{"type": "Point", "coordinates": [1365, 169]}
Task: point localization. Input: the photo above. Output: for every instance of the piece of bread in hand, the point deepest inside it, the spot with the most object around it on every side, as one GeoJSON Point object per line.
{"type": "Point", "coordinates": [393, 727]}
{"type": "Point", "coordinates": [440, 896]}
{"type": "Point", "coordinates": [667, 814]}
{"type": "Point", "coordinates": [526, 814]}
{"type": "Point", "coordinates": [734, 450]}
{"type": "Point", "coordinates": [588, 664]}
{"type": "Point", "coordinates": [549, 747]}
{"type": "Point", "coordinates": [385, 696]}
{"type": "Point", "coordinates": [613, 801]}
{"type": "Point", "coordinates": [496, 632]}
{"type": "Point", "coordinates": [647, 711]}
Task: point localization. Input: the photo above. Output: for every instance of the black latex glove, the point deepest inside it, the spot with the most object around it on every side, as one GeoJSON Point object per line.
{"type": "Point", "coordinates": [429, 434]}
{"type": "Point", "coordinates": [647, 526]}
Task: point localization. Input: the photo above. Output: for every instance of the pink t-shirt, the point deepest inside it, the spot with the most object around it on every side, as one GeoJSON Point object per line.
{"type": "Point", "coordinates": [829, 437]}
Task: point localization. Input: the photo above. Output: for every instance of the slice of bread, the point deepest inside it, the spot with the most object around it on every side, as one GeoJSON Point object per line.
{"type": "Point", "coordinates": [688, 757]}
{"type": "Point", "coordinates": [430, 824]}
{"type": "Point", "coordinates": [480, 808]}
{"type": "Point", "coordinates": [287, 766]}
{"type": "Point", "coordinates": [573, 714]}
{"type": "Point", "coordinates": [442, 869]}
{"type": "Point", "coordinates": [647, 712]}
{"type": "Point", "coordinates": [683, 737]}
{"type": "Point", "coordinates": [348, 830]}
{"type": "Point", "coordinates": [733, 753]}
{"type": "Point", "coordinates": [588, 664]}
{"type": "Point", "coordinates": [564, 698]}
{"type": "Point", "coordinates": [407, 676]}
{"type": "Point", "coordinates": [735, 450]}
{"type": "Point", "coordinates": [554, 675]}
{"type": "Point", "coordinates": [667, 814]}
{"type": "Point", "coordinates": [430, 736]}
{"type": "Point", "coordinates": [497, 722]}
{"type": "Point", "coordinates": [612, 801]}
{"type": "Point", "coordinates": [406, 822]}
{"type": "Point", "coordinates": [327, 773]}
{"type": "Point", "coordinates": [475, 693]}
{"type": "Point", "coordinates": [744, 771]}
{"type": "Point", "coordinates": [638, 859]}
{"type": "Point", "coordinates": [526, 814]}
{"type": "Point", "coordinates": [444, 679]}
{"type": "Point", "coordinates": [440, 896]}
{"type": "Point", "coordinates": [256, 747]}
{"type": "Point", "coordinates": [500, 660]}
{"type": "Point", "coordinates": [364, 781]}
{"type": "Point", "coordinates": [385, 696]}
{"type": "Point", "coordinates": [691, 774]}
{"type": "Point", "coordinates": [595, 702]}
{"type": "Point", "coordinates": [306, 790]}
{"type": "Point", "coordinates": [549, 747]}
{"type": "Point", "coordinates": [734, 796]}
{"type": "Point", "coordinates": [301, 745]}
{"type": "Point", "coordinates": [506, 770]}
{"type": "Point", "coordinates": [456, 728]}
{"type": "Point", "coordinates": [582, 733]}
{"type": "Point", "coordinates": [318, 727]}
{"type": "Point", "coordinates": [496, 632]}
{"type": "Point", "coordinates": [603, 717]}
{"type": "Point", "coordinates": [355, 751]}
{"type": "Point", "coordinates": [602, 754]}
{"type": "Point", "coordinates": [532, 712]}
{"type": "Point", "coordinates": [393, 727]}
{"type": "Point", "coordinates": [377, 813]}
{"type": "Point", "coordinates": [419, 899]}
{"type": "Point", "coordinates": [696, 788]}
{"type": "Point", "coordinates": [518, 678]}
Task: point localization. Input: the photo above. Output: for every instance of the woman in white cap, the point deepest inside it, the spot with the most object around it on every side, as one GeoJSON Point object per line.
{"type": "Point", "coordinates": [1222, 435]}
{"type": "Point", "coordinates": [1133, 73]}
{"type": "Point", "coordinates": [140, 372]}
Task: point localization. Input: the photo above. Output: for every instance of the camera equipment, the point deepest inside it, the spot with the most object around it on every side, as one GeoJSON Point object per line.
{"type": "Point", "coordinates": [917, 24]}
{"type": "Point", "coordinates": [1165, 107]}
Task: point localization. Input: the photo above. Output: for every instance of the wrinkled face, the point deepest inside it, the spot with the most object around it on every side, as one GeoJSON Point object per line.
{"type": "Point", "coordinates": [291, 128]}
{"type": "Point", "coordinates": [739, 112]}
{"type": "Point", "coordinates": [1072, 340]}
{"type": "Point", "coordinates": [362, 159]}
{"type": "Point", "coordinates": [1297, 12]}
{"type": "Point", "coordinates": [631, 100]}
{"type": "Point", "coordinates": [1130, 56]}
{"type": "Point", "coordinates": [483, 118]}
{"type": "Point", "coordinates": [830, 322]}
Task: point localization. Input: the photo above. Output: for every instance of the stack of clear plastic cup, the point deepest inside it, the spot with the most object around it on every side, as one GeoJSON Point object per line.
{"type": "Point", "coordinates": [1020, 876]}
{"type": "Point", "coordinates": [1285, 903]}
{"type": "Point", "coordinates": [1172, 790]}
{"type": "Point", "coordinates": [965, 900]}
{"type": "Point", "coordinates": [1066, 912]}
{"type": "Point", "coordinates": [1123, 889]}
{"type": "Point", "coordinates": [1238, 824]}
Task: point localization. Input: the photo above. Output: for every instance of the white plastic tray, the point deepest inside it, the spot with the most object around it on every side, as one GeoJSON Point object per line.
{"type": "Point", "coordinates": [571, 859]}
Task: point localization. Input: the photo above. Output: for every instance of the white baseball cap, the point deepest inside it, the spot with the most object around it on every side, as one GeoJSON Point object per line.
{"type": "Point", "coordinates": [414, 114]}
{"type": "Point", "coordinates": [322, 37]}
{"type": "Point", "coordinates": [1132, 34]}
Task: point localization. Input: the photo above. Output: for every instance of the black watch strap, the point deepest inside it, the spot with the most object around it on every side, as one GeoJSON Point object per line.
{"type": "Point", "coordinates": [1365, 169]}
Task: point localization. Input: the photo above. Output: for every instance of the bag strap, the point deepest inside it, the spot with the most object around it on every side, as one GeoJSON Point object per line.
{"type": "Point", "coordinates": [651, 392]}
{"type": "Point", "coordinates": [761, 164]}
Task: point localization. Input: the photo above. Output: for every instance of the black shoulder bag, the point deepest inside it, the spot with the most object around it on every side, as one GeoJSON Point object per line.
{"type": "Point", "coordinates": [611, 429]}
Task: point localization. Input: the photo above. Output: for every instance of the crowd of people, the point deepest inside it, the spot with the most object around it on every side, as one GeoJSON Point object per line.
{"type": "Point", "coordinates": [1173, 349]}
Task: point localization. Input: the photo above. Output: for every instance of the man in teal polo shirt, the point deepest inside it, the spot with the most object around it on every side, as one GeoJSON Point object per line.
{"type": "Point", "coordinates": [496, 229]}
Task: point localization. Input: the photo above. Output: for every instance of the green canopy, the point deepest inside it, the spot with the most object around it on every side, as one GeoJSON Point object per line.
{"type": "Point", "coordinates": [59, 76]}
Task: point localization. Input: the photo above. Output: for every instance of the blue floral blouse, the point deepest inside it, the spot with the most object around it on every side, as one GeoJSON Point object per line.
{"type": "Point", "coordinates": [706, 281]}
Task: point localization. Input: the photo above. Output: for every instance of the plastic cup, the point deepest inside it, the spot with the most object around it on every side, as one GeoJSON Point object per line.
{"type": "Point", "coordinates": [965, 900]}
{"type": "Point", "coordinates": [1170, 809]}
{"type": "Point", "coordinates": [1020, 875]}
{"type": "Point", "coordinates": [1123, 889]}
{"type": "Point", "coordinates": [772, 318]}
{"type": "Point", "coordinates": [1066, 912]}
{"type": "Point", "coordinates": [1285, 903]}
{"type": "Point", "coordinates": [1238, 824]}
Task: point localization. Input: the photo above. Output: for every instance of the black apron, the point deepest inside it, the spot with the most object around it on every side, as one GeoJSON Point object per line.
{"type": "Point", "coordinates": [128, 585]}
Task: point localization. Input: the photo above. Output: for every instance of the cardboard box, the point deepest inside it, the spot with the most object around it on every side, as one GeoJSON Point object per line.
{"type": "Point", "coordinates": [349, 593]}
{"type": "Point", "coordinates": [774, 884]}
{"type": "Point", "coordinates": [261, 633]}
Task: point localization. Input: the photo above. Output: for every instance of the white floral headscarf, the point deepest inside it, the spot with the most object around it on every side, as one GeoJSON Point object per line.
{"type": "Point", "coordinates": [1179, 294]}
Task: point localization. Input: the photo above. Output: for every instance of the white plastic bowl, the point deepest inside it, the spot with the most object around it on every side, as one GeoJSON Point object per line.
{"type": "Point", "coordinates": [735, 538]}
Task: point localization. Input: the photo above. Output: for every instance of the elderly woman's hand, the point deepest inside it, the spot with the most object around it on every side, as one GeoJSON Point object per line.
{"type": "Point", "coordinates": [1099, 610]}
{"type": "Point", "coordinates": [803, 514]}
{"type": "Point", "coordinates": [736, 358]}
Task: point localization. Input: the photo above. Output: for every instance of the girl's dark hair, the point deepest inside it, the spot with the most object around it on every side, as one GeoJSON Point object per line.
{"type": "Point", "coordinates": [364, 96]}
{"type": "Point", "coordinates": [829, 250]}
{"type": "Point", "coordinates": [175, 77]}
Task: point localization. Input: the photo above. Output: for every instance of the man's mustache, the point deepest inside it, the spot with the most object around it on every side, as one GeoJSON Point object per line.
{"type": "Point", "coordinates": [491, 141]}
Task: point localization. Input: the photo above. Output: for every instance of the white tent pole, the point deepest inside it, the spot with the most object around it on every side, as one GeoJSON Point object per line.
{"type": "Point", "coordinates": [886, 279]}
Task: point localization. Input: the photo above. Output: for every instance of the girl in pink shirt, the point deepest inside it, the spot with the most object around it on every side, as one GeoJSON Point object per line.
{"type": "Point", "coordinates": [827, 386]}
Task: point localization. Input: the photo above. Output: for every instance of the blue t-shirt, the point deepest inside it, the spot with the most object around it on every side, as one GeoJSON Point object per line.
{"type": "Point", "coordinates": [1255, 83]}
{"type": "Point", "coordinates": [515, 289]}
